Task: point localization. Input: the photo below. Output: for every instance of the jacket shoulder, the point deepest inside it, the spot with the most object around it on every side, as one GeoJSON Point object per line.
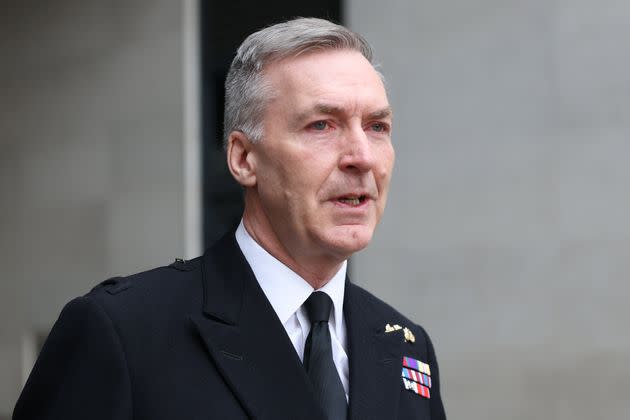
{"type": "Point", "coordinates": [158, 286]}
{"type": "Point", "coordinates": [155, 277]}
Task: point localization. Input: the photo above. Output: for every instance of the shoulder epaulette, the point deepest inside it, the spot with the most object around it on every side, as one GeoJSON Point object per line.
{"type": "Point", "coordinates": [114, 285]}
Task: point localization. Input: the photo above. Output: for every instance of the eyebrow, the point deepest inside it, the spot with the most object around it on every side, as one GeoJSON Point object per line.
{"type": "Point", "coordinates": [381, 113]}
{"type": "Point", "coordinates": [335, 110]}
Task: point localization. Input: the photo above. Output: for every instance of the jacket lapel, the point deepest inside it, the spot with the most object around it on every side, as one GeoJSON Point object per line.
{"type": "Point", "coordinates": [375, 360]}
{"type": "Point", "coordinates": [247, 342]}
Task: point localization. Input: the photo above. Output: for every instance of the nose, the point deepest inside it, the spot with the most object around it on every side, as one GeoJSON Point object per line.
{"type": "Point", "coordinates": [357, 151]}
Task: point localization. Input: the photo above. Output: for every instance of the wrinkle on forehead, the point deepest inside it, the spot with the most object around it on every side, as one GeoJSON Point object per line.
{"type": "Point", "coordinates": [339, 83]}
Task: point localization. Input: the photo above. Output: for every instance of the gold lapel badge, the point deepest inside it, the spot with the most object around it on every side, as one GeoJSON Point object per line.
{"type": "Point", "coordinates": [409, 337]}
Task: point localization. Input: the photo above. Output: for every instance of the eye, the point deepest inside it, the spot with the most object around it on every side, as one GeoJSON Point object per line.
{"type": "Point", "coordinates": [379, 127]}
{"type": "Point", "coordinates": [319, 125]}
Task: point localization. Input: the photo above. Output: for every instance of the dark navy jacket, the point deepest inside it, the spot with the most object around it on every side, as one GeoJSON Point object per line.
{"type": "Point", "coordinates": [199, 340]}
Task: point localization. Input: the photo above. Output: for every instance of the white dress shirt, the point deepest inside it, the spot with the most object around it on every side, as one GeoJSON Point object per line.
{"type": "Point", "coordinates": [287, 292]}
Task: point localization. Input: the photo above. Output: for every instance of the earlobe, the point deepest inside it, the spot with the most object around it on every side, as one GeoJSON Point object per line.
{"type": "Point", "coordinates": [239, 160]}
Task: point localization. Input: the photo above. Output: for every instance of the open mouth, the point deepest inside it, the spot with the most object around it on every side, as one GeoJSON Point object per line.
{"type": "Point", "coordinates": [355, 200]}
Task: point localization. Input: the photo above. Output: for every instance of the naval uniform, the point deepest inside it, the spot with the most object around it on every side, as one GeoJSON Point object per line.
{"type": "Point", "coordinates": [200, 340]}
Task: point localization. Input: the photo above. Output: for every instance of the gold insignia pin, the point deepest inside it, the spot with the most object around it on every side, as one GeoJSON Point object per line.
{"type": "Point", "coordinates": [395, 327]}
{"type": "Point", "coordinates": [409, 337]}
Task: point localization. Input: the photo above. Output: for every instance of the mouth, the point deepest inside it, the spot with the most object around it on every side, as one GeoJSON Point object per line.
{"type": "Point", "coordinates": [353, 200]}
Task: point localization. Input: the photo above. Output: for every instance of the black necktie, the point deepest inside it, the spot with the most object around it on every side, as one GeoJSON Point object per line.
{"type": "Point", "coordinates": [318, 359]}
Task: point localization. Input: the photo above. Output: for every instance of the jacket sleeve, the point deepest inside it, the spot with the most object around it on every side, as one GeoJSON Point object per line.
{"type": "Point", "coordinates": [81, 372]}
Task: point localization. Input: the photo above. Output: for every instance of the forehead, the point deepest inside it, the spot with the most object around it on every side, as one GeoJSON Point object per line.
{"type": "Point", "coordinates": [343, 79]}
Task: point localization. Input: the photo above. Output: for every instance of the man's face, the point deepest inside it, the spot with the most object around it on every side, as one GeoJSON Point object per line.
{"type": "Point", "coordinates": [324, 164]}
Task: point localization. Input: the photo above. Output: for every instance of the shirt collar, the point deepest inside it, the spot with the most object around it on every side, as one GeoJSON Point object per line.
{"type": "Point", "coordinates": [285, 289]}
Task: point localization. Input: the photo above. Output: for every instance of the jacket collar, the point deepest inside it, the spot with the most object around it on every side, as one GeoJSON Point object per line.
{"type": "Point", "coordinates": [251, 349]}
{"type": "Point", "coordinates": [247, 342]}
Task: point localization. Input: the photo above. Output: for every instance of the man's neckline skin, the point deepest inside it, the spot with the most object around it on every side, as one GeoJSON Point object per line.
{"type": "Point", "coordinates": [317, 272]}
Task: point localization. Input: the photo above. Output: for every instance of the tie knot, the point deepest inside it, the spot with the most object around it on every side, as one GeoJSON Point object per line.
{"type": "Point", "coordinates": [318, 306]}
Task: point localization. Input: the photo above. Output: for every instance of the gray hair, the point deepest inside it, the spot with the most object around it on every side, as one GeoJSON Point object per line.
{"type": "Point", "coordinates": [246, 91]}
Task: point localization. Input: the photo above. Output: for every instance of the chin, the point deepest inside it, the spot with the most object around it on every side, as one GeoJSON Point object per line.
{"type": "Point", "coordinates": [347, 240]}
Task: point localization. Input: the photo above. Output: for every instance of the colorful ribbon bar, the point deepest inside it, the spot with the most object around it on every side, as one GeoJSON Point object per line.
{"type": "Point", "coordinates": [416, 388]}
{"type": "Point", "coordinates": [417, 365]}
{"type": "Point", "coordinates": [417, 377]}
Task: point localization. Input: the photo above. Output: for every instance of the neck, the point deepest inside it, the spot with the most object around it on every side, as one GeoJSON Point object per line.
{"type": "Point", "coordinates": [315, 270]}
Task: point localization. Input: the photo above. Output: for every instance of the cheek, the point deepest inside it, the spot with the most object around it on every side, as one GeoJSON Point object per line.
{"type": "Point", "coordinates": [274, 170]}
{"type": "Point", "coordinates": [309, 174]}
{"type": "Point", "coordinates": [296, 175]}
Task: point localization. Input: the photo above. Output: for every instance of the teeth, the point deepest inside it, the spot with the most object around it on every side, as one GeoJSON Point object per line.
{"type": "Point", "coordinates": [354, 201]}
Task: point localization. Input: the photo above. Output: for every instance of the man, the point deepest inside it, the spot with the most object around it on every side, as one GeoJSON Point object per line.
{"type": "Point", "coordinates": [265, 324]}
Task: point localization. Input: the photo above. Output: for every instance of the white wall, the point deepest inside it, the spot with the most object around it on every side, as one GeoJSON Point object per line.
{"type": "Point", "coordinates": [506, 234]}
{"type": "Point", "coordinates": [91, 176]}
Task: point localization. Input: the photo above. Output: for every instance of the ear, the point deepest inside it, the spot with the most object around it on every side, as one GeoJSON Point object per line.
{"type": "Point", "coordinates": [240, 162]}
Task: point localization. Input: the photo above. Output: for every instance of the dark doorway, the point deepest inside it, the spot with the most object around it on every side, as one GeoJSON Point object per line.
{"type": "Point", "coordinates": [224, 25]}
